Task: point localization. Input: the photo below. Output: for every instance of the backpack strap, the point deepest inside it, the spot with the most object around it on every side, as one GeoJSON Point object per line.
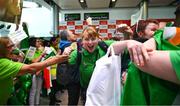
{"type": "Point", "coordinates": [78, 57]}
{"type": "Point", "coordinates": [103, 46]}
{"type": "Point", "coordinates": [79, 51]}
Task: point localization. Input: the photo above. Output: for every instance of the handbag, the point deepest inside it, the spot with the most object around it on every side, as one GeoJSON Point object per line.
{"type": "Point", "coordinates": [105, 85]}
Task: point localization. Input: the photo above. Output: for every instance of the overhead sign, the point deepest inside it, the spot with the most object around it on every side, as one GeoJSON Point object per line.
{"type": "Point", "coordinates": [72, 17]}
{"type": "Point", "coordinates": [97, 16]}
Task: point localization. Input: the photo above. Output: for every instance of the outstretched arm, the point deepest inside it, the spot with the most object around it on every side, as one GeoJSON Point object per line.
{"type": "Point", "coordinates": [159, 65]}
{"type": "Point", "coordinates": [156, 63]}
{"type": "Point", "coordinates": [31, 68]}
{"type": "Point", "coordinates": [138, 51]}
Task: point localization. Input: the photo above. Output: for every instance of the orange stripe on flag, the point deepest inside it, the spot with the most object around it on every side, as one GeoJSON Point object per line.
{"type": "Point", "coordinates": [176, 39]}
{"type": "Point", "coordinates": [47, 78]}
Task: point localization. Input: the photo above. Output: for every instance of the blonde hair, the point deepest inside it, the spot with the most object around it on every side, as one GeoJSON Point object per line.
{"type": "Point", "coordinates": [4, 41]}
{"type": "Point", "coordinates": [91, 32]}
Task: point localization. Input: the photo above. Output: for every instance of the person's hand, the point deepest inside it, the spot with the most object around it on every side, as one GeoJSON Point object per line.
{"type": "Point", "coordinates": [21, 57]}
{"type": "Point", "coordinates": [124, 76]}
{"type": "Point", "coordinates": [67, 50]}
{"type": "Point", "coordinates": [125, 30]}
{"type": "Point", "coordinates": [38, 72]}
{"type": "Point", "coordinates": [62, 58]}
{"type": "Point", "coordinates": [58, 52]}
{"type": "Point", "coordinates": [138, 52]}
{"type": "Point", "coordinates": [89, 21]}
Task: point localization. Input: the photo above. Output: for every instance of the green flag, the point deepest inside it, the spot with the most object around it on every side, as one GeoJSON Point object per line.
{"type": "Point", "coordinates": [144, 89]}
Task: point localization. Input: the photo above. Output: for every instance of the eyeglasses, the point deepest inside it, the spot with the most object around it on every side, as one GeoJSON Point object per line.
{"type": "Point", "coordinates": [3, 26]}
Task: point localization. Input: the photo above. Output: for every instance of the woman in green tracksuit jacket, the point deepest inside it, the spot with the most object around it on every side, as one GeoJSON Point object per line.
{"type": "Point", "coordinates": [91, 52]}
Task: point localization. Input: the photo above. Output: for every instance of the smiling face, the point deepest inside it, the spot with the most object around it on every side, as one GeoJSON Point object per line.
{"type": "Point", "coordinates": [10, 46]}
{"type": "Point", "coordinates": [146, 28]}
{"type": "Point", "coordinates": [150, 29]}
{"type": "Point", "coordinates": [6, 46]}
{"type": "Point", "coordinates": [90, 39]}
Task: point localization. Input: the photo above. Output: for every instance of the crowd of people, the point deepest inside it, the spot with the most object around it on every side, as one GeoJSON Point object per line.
{"type": "Point", "coordinates": [150, 64]}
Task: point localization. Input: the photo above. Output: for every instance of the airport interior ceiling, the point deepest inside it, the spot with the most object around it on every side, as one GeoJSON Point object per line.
{"type": "Point", "coordinates": [102, 4]}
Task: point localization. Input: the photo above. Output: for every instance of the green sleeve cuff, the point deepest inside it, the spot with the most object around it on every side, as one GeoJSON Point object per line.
{"type": "Point", "coordinates": [175, 61]}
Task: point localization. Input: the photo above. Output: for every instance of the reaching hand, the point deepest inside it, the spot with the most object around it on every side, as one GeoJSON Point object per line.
{"type": "Point", "coordinates": [67, 50]}
{"type": "Point", "coordinates": [138, 52]}
{"type": "Point", "coordinates": [62, 58]}
{"type": "Point", "coordinates": [125, 30]}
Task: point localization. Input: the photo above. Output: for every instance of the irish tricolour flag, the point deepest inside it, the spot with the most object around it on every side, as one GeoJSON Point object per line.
{"type": "Point", "coordinates": [172, 34]}
{"type": "Point", "coordinates": [46, 72]}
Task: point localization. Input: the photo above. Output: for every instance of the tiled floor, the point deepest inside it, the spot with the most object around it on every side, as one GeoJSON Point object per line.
{"type": "Point", "coordinates": [62, 96]}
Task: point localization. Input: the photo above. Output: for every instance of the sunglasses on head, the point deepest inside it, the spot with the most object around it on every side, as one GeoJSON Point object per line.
{"type": "Point", "coordinates": [3, 26]}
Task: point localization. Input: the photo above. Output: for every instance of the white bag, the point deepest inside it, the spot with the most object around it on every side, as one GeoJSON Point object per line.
{"type": "Point", "coordinates": [105, 86]}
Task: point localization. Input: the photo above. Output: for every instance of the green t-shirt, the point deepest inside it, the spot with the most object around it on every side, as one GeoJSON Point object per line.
{"type": "Point", "coordinates": [37, 54]}
{"type": "Point", "coordinates": [8, 70]}
{"type": "Point", "coordinates": [143, 89]}
{"type": "Point", "coordinates": [174, 54]}
{"type": "Point", "coordinates": [88, 61]}
{"type": "Point", "coordinates": [175, 60]}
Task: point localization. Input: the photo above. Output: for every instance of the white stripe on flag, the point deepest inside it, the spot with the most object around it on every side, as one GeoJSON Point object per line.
{"type": "Point", "coordinates": [169, 32]}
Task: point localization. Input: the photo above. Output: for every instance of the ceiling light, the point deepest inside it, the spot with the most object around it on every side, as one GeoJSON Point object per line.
{"type": "Point", "coordinates": [81, 1]}
{"type": "Point", "coordinates": [113, 0]}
